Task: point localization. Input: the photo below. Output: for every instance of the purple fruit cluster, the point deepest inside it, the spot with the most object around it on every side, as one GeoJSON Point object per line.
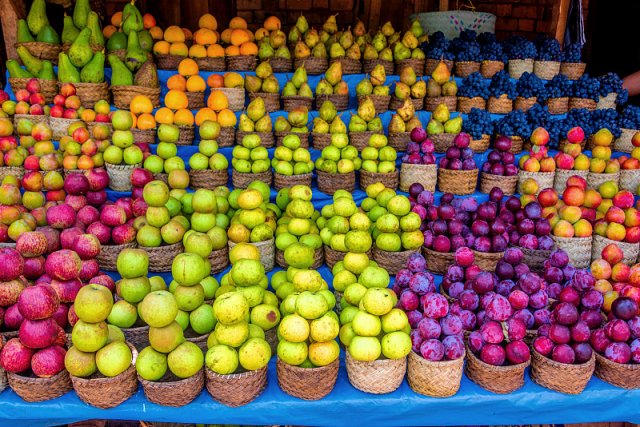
{"type": "Point", "coordinates": [501, 160]}
{"type": "Point", "coordinates": [436, 332]}
{"type": "Point", "coordinates": [459, 156]}
{"type": "Point", "coordinates": [526, 226]}
{"type": "Point", "coordinates": [420, 200]}
{"type": "Point", "coordinates": [619, 339]}
{"type": "Point", "coordinates": [420, 150]}
{"type": "Point", "coordinates": [489, 230]}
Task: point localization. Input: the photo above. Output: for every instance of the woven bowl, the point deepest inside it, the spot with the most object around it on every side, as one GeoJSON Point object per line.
{"type": "Point", "coordinates": [562, 377]}
{"type": "Point", "coordinates": [578, 249]}
{"type": "Point", "coordinates": [219, 259]}
{"type": "Point", "coordinates": [426, 175]}
{"type": "Point", "coordinates": [465, 68]}
{"type": "Point", "coordinates": [391, 261]}
{"type": "Point", "coordinates": [161, 257]}
{"type": "Point", "coordinates": [242, 180]}
{"type": "Point", "coordinates": [438, 262]}
{"type": "Point", "coordinates": [617, 374]}
{"type": "Point", "coordinates": [307, 383]}
{"type": "Point", "coordinates": [466, 104]}
{"type": "Point", "coordinates": [282, 181]}
{"type": "Point", "coordinates": [458, 182]}
{"type": "Point", "coordinates": [562, 175]}
{"type": "Point", "coordinates": [399, 140]}
{"type": "Point", "coordinates": [173, 391]}
{"type": "Point", "coordinates": [208, 178]}
{"type": "Point", "coordinates": [517, 67]}
{"type": "Point", "coordinates": [329, 183]}
{"type": "Point", "coordinates": [417, 65]}
{"type": "Point", "coordinates": [390, 180]}
{"type": "Point", "coordinates": [630, 250]}
{"type": "Point", "coordinates": [489, 68]}
{"type": "Point", "coordinates": [33, 389]}
{"type": "Point", "coordinates": [378, 377]}
{"type": "Point", "coordinates": [497, 379]}
{"type": "Point", "coordinates": [573, 70]}
{"type": "Point", "coordinates": [544, 179]}
{"type": "Point", "coordinates": [435, 379]}
{"type": "Point", "coordinates": [236, 389]}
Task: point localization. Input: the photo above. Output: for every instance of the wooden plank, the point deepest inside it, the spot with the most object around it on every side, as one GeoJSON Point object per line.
{"type": "Point", "coordinates": [444, 5]}
{"type": "Point", "coordinates": [559, 19]}
{"type": "Point", "coordinates": [374, 14]}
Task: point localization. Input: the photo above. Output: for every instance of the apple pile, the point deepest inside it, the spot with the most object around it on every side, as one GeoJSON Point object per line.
{"type": "Point", "coordinates": [8, 143]}
{"type": "Point", "coordinates": [21, 212]}
{"type": "Point", "coordinates": [66, 103]}
{"type": "Point", "coordinates": [83, 150]}
{"type": "Point", "coordinates": [538, 159]}
{"type": "Point", "coordinates": [614, 278]}
{"type": "Point", "coordinates": [250, 156]}
{"type": "Point", "coordinates": [100, 113]}
{"type": "Point", "coordinates": [208, 156]}
{"type": "Point", "coordinates": [164, 224]}
{"type": "Point", "coordinates": [527, 226]}
{"type": "Point", "coordinates": [123, 148]}
{"type": "Point", "coordinates": [378, 157]}
{"type": "Point", "coordinates": [40, 153]}
{"type": "Point", "coordinates": [292, 159]}
{"type": "Point", "coordinates": [253, 220]}
{"type": "Point", "coordinates": [601, 161]}
{"type": "Point", "coordinates": [420, 150]}
{"type": "Point", "coordinates": [459, 156]}
{"type": "Point", "coordinates": [571, 220]}
{"type": "Point", "coordinates": [31, 100]}
{"type": "Point", "coordinates": [619, 339]}
{"type": "Point", "coordinates": [339, 156]}
{"type": "Point", "coordinates": [571, 157]}
{"type": "Point", "coordinates": [501, 160]}
{"type": "Point", "coordinates": [621, 221]}
{"type": "Point", "coordinates": [191, 287]}
{"type": "Point", "coordinates": [166, 158]}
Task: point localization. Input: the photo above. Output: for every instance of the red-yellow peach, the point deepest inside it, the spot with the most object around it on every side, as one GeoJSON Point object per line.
{"type": "Point", "coordinates": [602, 138]}
{"type": "Point", "coordinates": [573, 196]}
{"type": "Point", "coordinates": [564, 161]}
{"type": "Point", "coordinates": [620, 272]}
{"type": "Point", "coordinates": [592, 198]}
{"type": "Point", "coordinates": [615, 214]}
{"type": "Point", "coordinates": [531, 165]}
{"type": "Point", "coordinates": [597, 165]}
{"type": "Point", "coordinates": [633, 235]}
{"type": "Point", "coordinates": [616, 232]}
{"type": "Point", "coordinates": [635, 140]}
{"type": "Point", "coordinates": [603, 286]}
{"type": "Point", "coordinates": [623, 199]}
{"type": "Point", "coordinates": [529, 186]}
{"type": "Point", "coordinates": [588, 214]}
{"type": "Point", "coordinates": [570, 213]}
{"type": "Point", "coordinates": [547, 165]}
{"type": "Point", "coordinates": [548, 197]}
{"type": "Point", "coordinates": [577, 181]}
{"type": "Point", "coordinates": [563, 229]}
{"type": "Point", "coordinates": [575, 135]}
{"type": "Point", "coordinates": [600, 269]}
{"type": "Point", "coordinates": [613, 166]}
{"type": "Point", "coordinates": [609, 298]}
{"type": "Point", "coordinates": [539, 136]}
{"type": "Point", "coordinates": [582, 228]}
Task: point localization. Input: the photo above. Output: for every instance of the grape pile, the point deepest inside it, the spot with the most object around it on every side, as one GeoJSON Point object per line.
{"type": "Point", "coordinates": [519, 47]}
{"type": "Point", "coordinates": [559, 87]}
{"type": "Point", "coordinates": [548, 49]}
{"type": "Point", "coordinates": [606, 118]}
{"type": "Point", "coordinates": [474, 85]}
{"type": "Point", "coordinates": [612, 83]}
{"type": "Point", "coordinates": [493, 52]}
{"type": "Point", "coordinates": [572, 53]}
{"type": "Point", "coordinates": [477, 123]}
{"type": "Point", "coordinates": [538, 116]}
{"type": "Point", "coordinates": [502, 84]}
{"type": "Point", "coordinates": [529, 85]}
{"type": "Point", "coordinates": [438, 47]}
{"type": "Point", "coordinates": [556, 129]}
{"type": "Point", "coordinates": [579, 117]}
{"type": "Point", "coordinates": [467, 51]}
{"type": "Point", "coordinates": [629, 118]}
{"type": "Point", "coordinates": [486, 38]}
{"type": "Point", "coordinates": [514, 123]}
{"type": "Point", "coordinates": [586, 87]}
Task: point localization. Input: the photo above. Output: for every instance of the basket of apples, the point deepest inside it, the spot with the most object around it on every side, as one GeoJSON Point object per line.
{"type": "Point", "coordinates": [603, 167]}
{"type": "Point", "coordinates": [629, 121]}
{"type": "Point", "coordinates": [571, 161]}
{"type": "Point", "coordinates": [250, 163]}
{"type": "Point", "coordinates": [458, 172]}
{"type": "Point", "coordinates": [620, 226]}
{"type": "Point", "coordinates": [537, 165]}
{"type": "Point", "coordinates": [292, 163]}
{"type": "Point", "coordinates": [10, 160]}
{"type": "Point", "coordinates": [419, 163]}
{"type": "Point", "coordinates": [378, 163]}
{"type": "Point", "coordinates": [500, 171]}
{"type": "Point", "coordinates": [208, 167]}
{"type": "Point", "coordinates": [83, 149]}
{"type": "Point", "coordinates": [31, 104]}
{"type": "Point", "coordinates": [630, 169]}
{"type": "Point", "coordinates": [336, 167]}
{"type": "Point", "coordinates": [64, 111]}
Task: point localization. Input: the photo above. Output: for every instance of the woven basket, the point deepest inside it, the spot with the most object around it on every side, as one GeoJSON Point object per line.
{"type": "Point", "coordinates": [349, 65]}
{"type": "Point", "coordinates": [242, 180]}
{"type": "Point", "coordinates": [517, 144]}
{"type": "Point", "coordinates": [304, 138]}
{"type": "Point", "coordinates": [318, 259]}
{"type": "Point", "coordinates": [630, 180]}
{"type": "Point", "coordinates": [137, 335]}
{"type": "Point", "coordinates": [390, 180]}
{"type": "Point", "coordinates": [108, 392]}
{"type": "Point", "coordinates": [395, 103]}
{"type": "Point", "coordinates": [431, 103]}
{"type": "Point", "coordinates": [92, 125]}
{"type": "Point", "coordinates": [618, 374]}
{"type": "Point", "coordinates": [341, 102]}
{"type": "Point", "coordinates": [267, 251]}
{"type": "Point", "coordinates": [594, 180]}
{"type": "Point", "coordinates": [435, 379]}
{"type": "Point", "coordinates": [399, 140]}
{"type": "Point", "coordinates": [329, 183]}
{"type": "Point", "coordinates": [48, 88]}
{"type": "Point", "coordinates": [378, 377]}
{"type": "Point", "coordinates": [168, 62]}
{"type": "Point", "coordinates": [416, 64]}
{"type": "Point", "coordinates": [427, 175]}
{"type": "Point", "coordinates": [369, 64]}
{"type": "Point", "coordinates": [501, 105]}
{"type": "Point", "coordinates": [307, 383]}
{"type": "Point", "coordinates": [623, 143]}
{"type": "Point", "coordinates": [578, 249]}
{"type": "Point", "coordinates": [563, 377]}
{"type": "Point", "coordinates": [60, 126]}
{"type": "Point", "coordinates": [313, 65]}
{"type": "Point", "coordinates": [438, 262]}
{"type": "Point", "coordinates": [546, 70]}
{"type": "Point", "coordinates": [267, 139]}
{"type": "Point", "coordinates": [535, 258]}
{"type": "Point", "coordinates": [211, 64]}
{"type": "Point", "coordinates": [497, 379]}
{"type": "Point", "coordinates": [208, 178]}
{"type": "Point", "coordinates": [523, 104]}
{"type": "Point", "coordinates": [42, 50]}
{"type": "Point", "coordinates": [147, 136]}
{"type": "Point", "coordinates": [544, 179]}
{"type": "Point", "coordinates": [109, 255]}
{"type": "Point", "coordinates": [186, 136]}
{"type": "Point", "coordinates": [241, 63]}
{"type": "Point", "coordinates": [573, 70]}
{"type": "Point", "coordinates": [558, 105]}
{"type": "Point", "coordinates": [332, 257]}
{"type": "Point", "coordinates": [608, 101]}
{"type": "Point", "coordinates": [120, 176]}
{"type": "Point", "coordinates": [227, 136]}
{"type": "Point", "coordinates": [465, 104]}
{"type": "Point", "coordinates": [271, 100]}
{"type": "Point", "coordinates": [219, 259]}
{"type": "Point", "coordinates": [458, 182]}
{"type": "Point", "coordinates": [507, 184]}
{"type": "Point", "coordinates": [290, 103]}
{"type": "Point", "coordinates": [123, 95]}
{"type": "Point", "coordinates": [161, 257]}
{"type": "Point", "coordinates": [380, 102]}
{"type": "Point", "coordinates": [487, 260]}
{"type": "Point", "coordinates": [33, 389]}
{"type": "Point", "coordinates": [589, 104]}
{"type": "Point", "coordinates": [195, 100]}
{"type": "Point", "coordinates": [236, 389]}
{"type": "Point", "coordinates": [490, 68]}
{"type": "Point", "coordinates": [320, 140]}
{"type": "Point", "coordinates": [235, 96]}
{"type": "Point", "coordinates": [630, 250]}
{"type": "Point", "coordinates": [465, 68]}
{"type": "Point", "coordinates": [517, 67]}
{"type": "Point", "coordinates": [17, 171]}
{"type": "Point", "coordinates": [442, 141]}
{"type": "Point", "coordinates": [392, 261]}
{"type": "Point", "coordinates": [562, 175]}
{"type": "Point", "coordinates": [281, 65]}
{"type": "Point", "coordinates": [431, 64]}
{"type": "Point", "coordinates": [17, 118]}
{"type": "Point", "coordinates": [173, 391]}
{"type": "Point", "coordinates": [480, 145]}
{"type": "Point", "coordinates": [360, 140]}
{"type": "Point", "coordinates": [161, 176]}
{"type": "Point", "coordinates": [282, 181]}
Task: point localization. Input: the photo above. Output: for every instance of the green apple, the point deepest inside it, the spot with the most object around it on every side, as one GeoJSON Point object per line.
{"type": "Point", "coordinates": [132, 263]}
{"type": "Point", "coordinates": [133, 155]}
{"type": "Point", "coordinates": [168, 133]}
{"type": "Point", "coordinates": [122, 138]}
{"type": "Point", "coordinates": [149, 236]}
{"type": "Point", "coordinates": [135, 289]}
{"type": "Point", "coordinates": [79, 363]}
{"type": "Point", "coordinates": [113, 359]}
{"type": "Point", "coordinates": [208, 147]}
{"type": "Point", "coordinates": [202, 320]}
{"type": "Point", "coordinates": [189, 297]}
{"type": "Point", "coordinates": [222, 359]}
{"type": "Point", "coordinates": [198, 161]}
{"type": "Point", "coordinates": [89, 337]}
{"type": "Point", "coordinates": [123, 314]}
{"type": "Point", "coordinates": [218, 162]}
{"type": "Point", "coordinates": [151, 365]}
{"type": "Point", "coordinates": [158, 308]}
{"type": "Point", "coordinates": [186, 360]}
{"type": "Point", "coordinates": [153, 164]}
{"type": "Point", "coordinates": [209, 130]}
{"type": "Point", "coordinates": [156, 193]}
{"type": "Point", "coordinates": [173, 163]}
{"type": "Point", "coordinates": [113, 155]}
{"type": "Point", "coordinates": [167, 338]}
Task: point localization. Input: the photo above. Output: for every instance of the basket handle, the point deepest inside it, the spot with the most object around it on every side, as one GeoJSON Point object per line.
{"type": "Point", "coordinates": [468, 4]}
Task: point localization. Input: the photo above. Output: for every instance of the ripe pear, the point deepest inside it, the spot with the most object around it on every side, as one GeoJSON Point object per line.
{"type": "Point", "coordinates": [320, 126]}
{"type": "Point", "coordinates": [379, 41]}
{"type": "Point", "coordinates": [334, 73]}
{"type": "Point", "coordinates": [299, 77]}
{"type": "Point", "coordinates": [294, 36]}
{"type": "Point", "coordinates": [336, 51]}
{"type": "Point", "coordinates": [327, 111]}
{"type": "Point", "coordinates": [393, 38]}
{"type": "Point", "coordinates": [330, 26]}
{"type": "Point", "coordinates": [299, 116]}
{"type": "Point", "coordinates": [281, 125]}
{"type": "Point", "coordinates": [370, 52]}
{"type": "Point", "coordinates": [417, 53]}
{"type": "Point", "coordinates": [364, 87]}
{"type": "Point", "coordinates": [270, 85]}
{"type": "Point", "coordinates": [441, 73]}
{"type": "Point", "coordinates": [324, 36]}
{"type": "Point", "coordinates": [433, 89]}
{"type": "Point", "coordinates": [277, 39]}
{"type": "Point", "coordinates": [305, 90]}
{"type": "Point", "coordinates": [419, 90]}
{"type": "Point", "coordinates": [434, 127]}
{"type": "Point", "coordinates": [375, 125]}
{"type": "Point", "coordinates": [264, 70]}
{"type": "Point", "coordinates": [441, 113]}
{"type": "Point", "coordinates": [357, 124]}
{"type": "Point", "coordinates": [453, 126]}
{"type": "Point", "coordinates": [265, 51]}
{"type": "Point", "coordinates": [256, 109]}
{"type": "Point", "coordinates": [342, 88]}
{"type": "Point", "coordinates": [366, 110]}
{"type": "Point", "coordinates": [387, 29]}
{"type": "Point", "coordinates": [301, 50]}
{"type": "Point", "coordinates": [413, 122]}
{"type": "Point", "coordinates": [416, 28]}
{"type": "Point", "coordinates": [324, 88]}
{"type": "Point", "coordinates": [312, 38]}
{"type": "Point", "coordinates": [401, 52]}
{"type": "Point", "coordinates": [264, 124]}
{"type": "Point", "coordinates": [319, 51]}
{"type": "Point", "coordinates": [252, 83]}
{"type": "Point", "coordinates": [450, 88]}
{"type": "Point", "coordinates": [359, 29]}
{"type": "Point", "coordinates": [283, 52]}
{"type": "Point", "coordinates": [407, 110]}
{"type": "Point", "coordinates": [337, 126]}
{"type": "Point", "coordinates": [409, 40]}
{"type": "Point", "coordinates": [302, 25]}
{"type": "Point", "coordinates": [408, 76]}
{"type": "Point", "coordinates": [385, 54]}
{"type": "Point", "coordinates": [378, 75]}
{"type": "Point", "coordinates": [245, 124]}
{"type": "Point", "coordinates": [381, 90]}
{"type": "Point", "coordinates": [396, 125]}
{"type": "Point", "coordinates": [289, 90]}
{"type": "Point", "coordinates": [402, 91]}
{"type": "Point", "coordinates": [354, 52]}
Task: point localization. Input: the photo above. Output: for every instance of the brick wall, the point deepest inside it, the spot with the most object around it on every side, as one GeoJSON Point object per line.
{"type": "Point", "coordinates": [316, 11]}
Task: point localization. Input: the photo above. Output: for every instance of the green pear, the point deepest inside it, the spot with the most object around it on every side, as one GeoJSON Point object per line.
{"type": "Point", "coordinates": [264, 124]}
{"type": "Point", "coordinates": [327, 111]}
{"type": "Point", "coordinates": [302, 25]}
{"type": "Point", "coordinates": [370, 52]}
{"type": "Point", "coordinates": [299, 77]}
{"type": "Point", "coordinates": [298, 117]}
{"type": "Point", "coordinates": [364, 87]}
{"type": "Point", "coordinates": [93, 72]}
{"type": "Point", "coordinates": [265, 51]}
{"type": "Point", "coordinates": [320, 126]}
{"type": "Point", "coordinates": [402, 91]}
{"type": "Point", "coordinates": [417, 53]}
{"type": "Point", "coordinates": [281, 125]}
{"type": "Point", "coordinates": [353, 52]}
{"type": "Point", "coordinates": [357, 124]}
{"type": "Point", "coordinates": [324, 88]}
{"type": "Point", "coordinates": [387, 29]}
{"type": "Point", "coordinates": [93, 24]}
{"type": "Point", "coordinates": [453, 126]}
{"type": "Point", "coordinates": [271, 85]}
{"type": "Point", "coordinates": [375, 125]}
{"type": "Point", "coordinates": [294, 36]}
{"type": "Point", "coordinates": [283, 52]}
{"type": "Point", "coordinates": [441, 113]}
{"type": "Point", "coordinates": [336, 51]}
{"type": "Point", "coordinates": [47, 72]}
{"type": "Point", "coordinates": [311, 38]}
{"type": "Point", "coordinates": [367, 110]}
{"type": "Point", "coordinates": [381, 90]}
{"type": "Point", "coordinates": [81, 13]}
{"type": "Point", "coordinates": [256, 109]}
{"type": "Point", "coordinates": [245, 124]}
{"type": "Point", "coordinates": [17, 72]}
{"type": "Point", "coordinates": [69, 31]}
{"type": "Point", "coordinates": [252, 83]}
{"type": "Point", "coordinates": [264, 70]}
{"type": "Point", "coordinates": [305, 90]}
{"type": "Point", "coordinates": [434, 127]}
{"type": "Point", "coordinates": [67, 73]}
{"type": "Point", "coordinates": [23, 34]}
{"type": "Point", "coordinates": [450, 88]}
{"type": "Point", "coordinates": [289, 89]}
{"type": "Point", "coordinates": [419, 89]}
{"type": "Point", "coordinates": [337, 126]}
{"type": "Point", "coordinates": [416, 28]}
{"type": "Point", "coordinates": [346, 39]}
{"type": "Point", "coordinates": [48, 35]}
{"type": "Point", "coordinates": [408, 76]}
{"type": "Point", "coordinates": [330, 25]}
{"type": "Point", "coordinates": [379, 41]}
{"type": "Point", "coordinates": [319, 51]}
{"type": "Point", "coordinates": [386, 54]}
{"type": "Point", "coordinates": [334, 73]}
{"type": "Point", "coordinates": [409, 40]}
{"type": "Point", "coordinates": [33, 64]}
{"type": "Point", "coordinates": [401, 52]}
{"type": "Point", "coordinates": [37, 16]}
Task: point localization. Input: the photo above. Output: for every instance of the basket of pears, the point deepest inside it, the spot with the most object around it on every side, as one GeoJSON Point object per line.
{"type": "Point", "coordinates": [364, 125]}
{"type": "Point", "coordinates": [208, 167]}
{"type": "Point", "coordinates": [307, 47]}
{"type": "Point", "coordinates": [346, 52]}
{"type": "Point", "coordinates": [409, 87]}
{"type": "Point", "coordinates": [292, 163]}
{"type": "Point", "coordinates": [442, 128]}
{"type": "Point", "coordinates": [327, 124]}
{"type": "Point", "coordinates": [378, 163]}
{"type": "Point", "coordinates": [441, 89]}
{"type": "Point", "coordinates": [333, 88]}
{"type": "Point", "coordinates": [406, 52]}
{"type": "Point", "coordinates": [37, 36]}
{"type": "Point", "coordinates": [250, 162]}
{"type": "Point", "coordinates": [377, 53]}
{"type": "Point", "coordinates": [336, 167]}
{"type": "Point", "coordinates": [273, 48]}
{"type": "Point", "coordinates": [373, 87]}
{"type": "Point", "coordinates": [297, 92]}
{"type": "Point", "coordinates": [256, 121]}
{"type": "Point", "coordinates": [264, 85]}
{"type": "Point", "coordinates": [403, 121]}
{"type": "Point", "coordinates": [294, 124]}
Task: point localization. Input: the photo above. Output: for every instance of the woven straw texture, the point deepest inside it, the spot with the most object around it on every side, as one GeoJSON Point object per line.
{"type": "Point", "coordinates": [630, 250]}
{"type": "Point", "coordinates": [236, 389]}
{"type": "Point", "coordinates": [465, 68]}
{"type": "Point", "coordinates": [227, 136]}
{"type": "Point", "coordinates": [618, 374]}
{"type": "Point", "coordinates": [17, 171]}
{"type": "Point", "coordinates": [517, 67]}
{"type": "Point", "coordinates": [34, 389]}
{"type": "Point", "coordinates": [208, 178]}
{"type": "Point", "coordinates": [487, 260]}
{"type": "Point", "coordinates": [380, 102]}
{"type": "Point", "coordinates": [558, 105]}
{"type": "Point", "coordinates": [195, 100]}
{"type": "Point", "coordinates": [546, 70]}
{"type": "Point", "coordinates": [17, 118]}
{"type": "Point", "coordinates": [349, 65]}
{"type": "Point", "coordinates": [573, 70]}
{"type": "Point", "coordinates": [507, 184]}
{"type": "Point", "coordinates": [307, 383]}
{"type": "Point", "coordinates": [427, 175]}
{"type": "Point", "coordinates": [524, 104]}
{"type": "Point", "coordinates": [517, 144]}
{"type": "Point", "coordinates": [123, 95]}
{"type": "Point", "coordinates": [369, 64]}
{"type": "Point", "coordinates": [442, 141]}
{"type": "Point", "coordinates": [360, 140]}
{"type": "Point", "coordinates": [281, 65]}
{"type": "Point", "coordinates": [147, 136]}
{"type": "Point", "coordinates": [312, 65]}
{"type": "Point", "coordinates": [48, 88]}
{"type": "Point", "coordinates": [271, 100]}
{"type": "Point", "coordinates": [320, 140]}
{"type": "Point", "coordinates": [290, 103]}
{"type": "Point", "coordinates": [168, 62]}
{"type": "Point", "coordinates": [416, 64]}
{"type": "Point", "coordinates": [109, 254]}
{"type": "Point", "coordinates": [578, 249]}
{"type": "Point", "coordinates": [430, 104]}
{"type": "Point", "coordinates": [589, 104]}
{"type": "Point", "coordinates": [544, 179]}
{"type": "Point", "coordinates": [267, 139]}
{"type": "Point", "coordinates": [161, 176]}
{"type": "Point", "coordinates": [329, 183]}
{"type": "Point", "coordinates": [497, 379]}
{"type": "Point", "coordinates": [242, 180]}
{"type": "Point", "coordinates": [60, 126]}
{"type": "Point", "coordinates": [282, 181]}
{"type": "Point", "coordinates": [399, 140]}
{"type": "Point", "coordinates": [219, 259]}
{"type": "Point", "coordinates": [318, 259]}
{"type": "Point", "coordinates": [332, 257]}
{"type": "Point", "coordinates": [594, 180]}
{"type": "Point", "coordinates": [378, 377]}
{"type": "Point", "coordinates": [304, 138]}
{"type": "Point", "coordinates": [42, 50]}
{"type": "Point", "coordinates": [630, 179]}
{"type": "Point", "coordinates": [161, 258]}
{"type": "Point", "coordinates": [608, 101]}
{"type": "Point", "coordinates": [235, 96]}
{"type": "Point", "coordinates": [138, 336]}
{"type": "Point", "coordinates": [465, 104]}
{"type": "Point", "coordinates": [438, 262]}
{"type": "Point", "coordinates": [341, 102]}
{"type": "Point", "coordinates": [435, 379]}
{"type": "Point", "coordinates": [535, 258]}
{"type": "Point", "coordinates": [390, 180]}
{"type": "Point", "coordinates": [211, 64]}
{"type": "Point", "coordinates": [563, 377]}
{"type": "Point", "coordinates": [391, 261]}
{"type": "Point", "coordinates": [271, 336]}
{"type": "Point", "coordinates": [623, 143]}
{"type": "Point", "coordinates": [562, 175]}
{"type": "Point", "coordinates": [431, 64]}
{"type": "Point", "coordinates": [120, 176]}
{"type": "Point", "coordinates": [395, 103]}
{"type": "Point", "coordinates": [480, 145]}
{"type": "Point", "coordinates": [490, 68]}
{"type": "Point", "coordinates": [186, 136]}
{"type": "Point", "coordinates": [458, 182]}
{"type": "Point", "coordinates": [267, 251]}
{"type": "Point", "coordinates": [241, 63]}
{"type": "Point", "coordinates": [501, 105]}
{"type": "Point", "coordinates": [172, 391]}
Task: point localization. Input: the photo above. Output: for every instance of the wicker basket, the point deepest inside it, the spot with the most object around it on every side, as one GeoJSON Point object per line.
{"type": "Point", "coordinates": [33, 389]}
{"type": "Point", "coordinates": [431, 103]}
{"type": "Point", "coordinates": [120, 176]}
{"type": "Point", "coordinates": [108, 392]}
{"type": "Point", "coordinates": [392, 261]}
{"type": "Point", "coordinates": [623, 143]}
{"type": "Point", "coordinates": [465, 68]}
{"type": "Point", "coordinates": [147, 136]}
{"type": "Point", "coordinates": [161, 257]}
{"type": "Point", "coordinates": [236, 389]}
{"type": "Point", "coordinates": [271, 100]}
{"type": "Point", "coordinates": [618, 374]}
{"type": "Point", "coordinates": [573, 70]}
{"type": "Point", "coordinates": [427, 175]}
{"type": "Point", "coordinates": [168, 62]}
{"type": "Point", "coordinates": [173, 391]}
{"type": "Point", "coordinates": [378, 377]}
{"type": "Point", "coordinates": [60, 126]}
{"type": "Point", "coordinates": [416, 64]}
{"type": "Point", "coordinates": [267, 251]}
{"type": "Point", "coordinates": [497, 379]}
{"type": "Point", "coordinates": [332, 257]}
{"type": "Point", "coordinates": [442, 141]}
{"type": "Point", "coordinates": [578, 249]}
{"type": "Point", "coordinates": [161, 176]}
{"type": "Point", "coordinates": [507, 184]}
{"type": "Point", "coordinates": [380, 102]}
{"type": "Point", "coordinates": [211, 64]}
{"type": "Point", "coordinates": [490, 68]}
{"type": "Point", "coordinates": [219, 259]}
{"type": "Point", "coordinates": [399, 140]}
{"type": "Point", "coordinates": [501, 105]}
{"type": "Point", "coordinates": [517, 67]}
{"type": "Point", "coordinates": [304, 138]}
{"type": "Point", "coordinates": [487, 260]}
{"type": "Point", "coordinates": [630, 180]}
{"type": "Point", "coordinates": [17, 118]}
{"type": "Point", "coordinates": [458, 182]}
{"type": "Point", "coordinates": [17, 171]}
{"type": "Point", "coordinates": [544, 179]}
{"type": "Point", "coordinates": [208, 178]}
{"type": "Point", "coordinates": [267, 139]}
{"type": "Point", "coordinates": [465, 104]}
{"type": "Point", "coordinates": [48, 88]}
{"type": "Point", "coordinates": [360, 140]}
{"type": "Point", "coordinates": [630, 250]}
{"type": "Point", "coordinates": [369, 64]}
{"type": "Point", "coordinates": [480, 145]}
{"type": "Point", "coordinates": [546, 70]}
{"type": "Point", "coordinates": [395, 103]}
{"type": "Point", "coordinates": [558, 105]}
{"type": "Point", "coordinates": [281, 65]}
{"type": "Point", "coordinates": [195, 100]}
{"type": "Point", "coordinates": [290, 103]}
{"type": "Point", "coordinates": [137, 335]}
{"type": "Point", "coordinates": [307, 383]}
{"type": "Point", "coordinates": [587, 103]}
{"type": "Point", "coordinates": [390, 180]}
{"type": "Point", "coordinates": [349, 65]}
{"type": "Point", "coordinates": [235, 96]}
{"type": "Point", "coordinates": [594, 180]}
{"type": "Point", "coordinates": [341, 102]}
{"type": "Point", "coordinates": [186, 136]}
{"type": "Point", "coordinates": [329, 183]}
{"type": "Point", "coordinates": [435, 379]}
{"type": "Point", "coordinates": [438, 262]}
{"type": "Point", "coordinates": [242, 180]}
{"type": "Point", "coordinates": [524, 104]}
{"type": "Point", "coordinates": [605, 102]}
{"type": "Point", "coordinates": [313, 65]}
{"type": "Point", "coordinates": [562, 175]}
{"type": "Point", "coordinates": [318, 259]}
{"type": "Point", "coordinates": [431, 64]}
{"type": "Point", "coordinates": [227, 136]}
{"type": "Point", "coordinates": [109, 255]}
{"type": "Point", "coordinates": [241, 63]}
{"type": "Point", "coordinates": [123, 95]}
{"type": "Point", "coordinates": [563, 377]}
{"type": "Point", "coordinates": [282, 181]}
{"type": "Point", "coordinates": [42, 50]}
{"type": "Point", "coordinates": [92, 125]}
{"type": "Point", "coordinates": [320, 140]}
{"type": "Point", "coordinates": [535, 258]}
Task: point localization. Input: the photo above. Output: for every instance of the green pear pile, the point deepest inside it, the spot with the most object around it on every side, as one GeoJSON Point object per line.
{"type": "Point", "coordinates": [339, 156]}
{"type": "Point", "coordinates": [296, 121]}
{"type": "Point", "coordinates": [409, 85]}
{"type": "Point", "coordinates": [263, 82]}
{"type": "Point", "coordinates": [441, 83]}
{"type": "Point", "coordinates": [378, 156]}
{"type": "Point", "coordinates": [274, 46]}
{"type": "Point", "coordinates": [366, 118]}
{"type": "Point", "coordinates": [298, 85]}
{"type": "Point", "coordinates": [345, 47]}
{"type": "Point", "coordinates": [441, 122]}
{"type": "Point", "coordinates": [255, 118]}
{"type": "Point", "coordinates": [407, 47]}
{"type": "Point", "coordinates": [328, 121]}
{"type": "Point", "coordinates": [308, 42]}
{"type": "Point", "coordinates": [208, 156]}
{"type": "Point", "coordinates": [35, 28]}
{"type": "Point", "coordinates": [380, 46]}
{"type": "Point", "coordinates": [297, 234]}
{"type": "Point", "coordinates": [374, 84]}
{"type": "Point", "coordinates": [292, 159]}
{"type": "Point", "coordinates": [253, 218]}
{"type": "Point", "coordinates": [404, 119]}
{"type": "Point", "coordinates": [250, 156]}
{"type": "Point", "coordinates": [332, 83]}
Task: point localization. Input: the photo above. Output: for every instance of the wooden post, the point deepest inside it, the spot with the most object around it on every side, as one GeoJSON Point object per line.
{"type": "Point", "coordinates": [374, 13]}
{"type": "Point", "coordinates": [444, 5]}
{"type": "Point", "coordinates": [559, 19]}
{"type": "Point", "coordinates": [10, 12]}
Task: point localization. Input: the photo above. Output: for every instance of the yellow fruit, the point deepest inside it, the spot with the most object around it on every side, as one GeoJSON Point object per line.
{"type": "Point", "coordinates": [179, 49]}
{"type": "Point", "coordinates": [177, 82]}
{"type": "Point", "coordinates": [239, 36]}
{"type": "Point", "coordinates": [156, 33]}
{"type": "Point", "coordinates": [205, 114]}
{"type": "Point", "coordinates": [161, 48]}
{"type": "Point", "coordinates": [249, 48]}
{"type": "Point", "coordinates": [232, 79]}
{"type": "Point", "coordinates": [215, 51]}
{"type": "Point", "coordinates": [227, 118]}
{"type": "Point", "coordinates": [272, 23]}
{"type": "Point", "coordinates": [164, 116]}
{"type": "Point", "coordinates": [205, 36]}
{"type": "Point", "coordinates": [196, 84]}
{"type": "Point", "coordinates": [197, 51]}
{"type": "Point", "coordinates": [218, 101]}
{"type": "Point", "coordinates": [232, 51]}
{"type": "Point", "coordinates": [183, 117]}
{"type": "Point", "coordinates": [174, 34]}
{"type": "Point", "coordinates": [238, 23]}
{"type": "Point", "coordinates": [188, 67]}
{"type": "Point", "coordinates": [141, 104]}
{"type": "Point", "coordinates": [176, 99]}
{"type": "Point", "coordinates": [146, 121]}
{"type": "Point", "coordinates": [208, 21]}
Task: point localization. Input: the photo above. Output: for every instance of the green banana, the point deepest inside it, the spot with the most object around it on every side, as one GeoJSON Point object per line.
{"type": "Point", "coordinates": [93, 23]}
{"type": "Point", "coordinates": [93, 72]}
{"type": "Point", "coordinates": [47, 72]}
{"type": "Point", "coordinates": [48, 35]}
{"type": "Point", "coordinates": [80, 13]}
{"type": "Point", "coordinates": [67, 73]}
{"type": "Point", "coordinates": [16, 71]}
{"type": "Point", "coordinates": [131, 18]}
{"type": "Point", "coordinates": [23, 35]}
{"type": "Point", "coordinates": [121, 75]}
{"type": "Point", "coordinates": [69, 31]}
{"type": "Point", "coordinates": [37, 17]}
{"type": "Point", "coordinates": [80, 52]}
{"type": "Point", "coordinates": [33, 64]}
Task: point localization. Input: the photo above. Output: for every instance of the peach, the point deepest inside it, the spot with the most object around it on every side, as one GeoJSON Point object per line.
{"type": "Point", "coordinates": [539, 152]}
{"type": "Point", "coordinates": [549, 211]}
{"type": "Point", "coordinates": [573, 196]}
{"type": "Point", "coordinates": [32, 163]}
{"type": "Point", "coordinates": [631, 217]}
{"type": "Point", "coordinates": [633, 235]}
{"type": "Point", "coordinates": [89, 148]}
{"type": "Point", "coordinates": [608, 189]}
{"type": "Point", "coordinates": [623, 199]}
{"type": "Point", "coordinates": [583, 228]}
{"type": "Point", "coordinates": [597, 165]}
{"type": "Point", "coordinates": [600, 269]}
{"type": "Point", "coordinates": [615, 214]}
{"type": "Point", "coordinates": [41, 132]}
{"type": "Point", "coordinates": [588, 214]}
{"type": "Point", "coordinates": [539, 136]}
{"type": "Point", "coordinates": [553, 220]}
{"type": "Point", "coordinates": [564, 161]}
{"type": "Point", "coordinates": [575, 135]}
{"type": "Point", "coordinates": [613, 166]}
{"type": "Point", "coordinates": [22, 108]}
{"type": "Point", "coordinates": [603, 286]}
{"type": "Point", "coordinates": [631, 292]}
{"type": "Point", "coordinates": [620, 272]}
{"type": "Point", "coordinates": [57, 111]}
{"type": "Point", "coordinates": [59, 100]}
{"type": "Point", "coordinates": [548, 197]}
{"type": "Point", "coordinates": [631, 164]}
{"type": "Point", "coordinates": [80, 135]}
{"type": "Point", "coordinates": [36, 110]}
{"type": "Point", "coordinates": [577, 181]}
{"type": "Point", "coordinates": [56, 195]}
{"type": "Point", "coordinates": [634, 275]}
{"type": "Point", "coordinates": [531, 165]}
{"type": "Point", "coordinates": [572, 149]}
{"type": "Point", "coordinates": [570, 213]}
{"type": "Point", "coordinates": [529, 186]}
{"type": "Point", "coordinates": [582, 162]}
{"type": "Point", "coordinates": [635, 140]}
{"type": "Point", "coordinates": [602, 138]}
{"type": "Point", "coordinates": [73, 101]}
{"type": "Point", "coordinates": [600, 227]}
{"type": "Point", "coordinates": [67, 89]}
{"type": "Point", "coordinates": [609, 298]}
{"type": "Point", "coordinates": [22, 95]}
{"type": "Point", "coordinates": [36, 99]}
{"type": "Point", "coordinates": [563, 228]}
{"type": "Point", "coordinates": [32, 181]}
{"type": "Point", "coordinates": [547, 165]}
{"type": "Point", "coordinates": [616, 232]}
{"type": "Point", "coordinates": [592, 199]}
{"type": "Point", "coordinates": [523, 159]}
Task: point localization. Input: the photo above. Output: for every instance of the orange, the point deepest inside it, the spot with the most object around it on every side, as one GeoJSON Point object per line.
{"type": "Point", "coordinates": [226, 35]}
{"type": "Point", "coordinates": [205, 36]}
{"type": "Point", "coordinates": [177, 82]}
{"type": "Point", "coordinates": [188, 67]}
{"type": "Point", "coordinates": [148, 21]}
{"type": "Point", "coordinates": [215, 51]}
{"type": "Point", "coordinates": [161, 47]}
{"type": "Point", "coordinates": [141, 104]}
{"type": "Point", "coordinates": [164, 116]}
{"type": "Point", "coordinates": [179, 49]}
{"type": "Point", "coordinates": [205, 114]}
{"type": "Point", "coordinates": [217, 101]}
{"type": "Point", "coordinates": [188, 35]}
{"type": "Point", "coordinates": [156, 33]}
{"type": "Point", "coordinates": [108, 31]}
{"type": "Point", "coordinates": [196, 84]}
{"type": "Point", "coordinates": [215, 80]}
{"type": "Point", "coordinates": [272, 23]}
{"type": "Point", "coordinates": [238, 22]}
{"type": "Point", "coordinates": [208, 21]}
{"type": "Point", "coordinates": [239, 36]}
{"type": "Point", "coordinates": [248, 48]}
{"type": "Point", "coordinates": [70, 162]}
{"type": "Point", "coordinates": [197, 51]}
{"type": "Point", "coordinates": [232, 51]}
{"type": "Point", "coordinates": [174, 34]}
{"type": "Point", "coordinates": [183, 117]}
{"type": "Point", "coordinates": [227, 118]}
{"type": "Point", "coordinates": [232, 79]}
{"type": "Point", "coordinates": [116, 19]}
{"type": "Point", "coordinates": [146, 121]}
{"type": "Point", "coordinates": [135, 120]}
{"type": "Point", "coordinates": [85, 162]}
{"type": "Point", "coordinates": [261, 33]}
{"type": "Point", "coordinates": [176, 99]}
